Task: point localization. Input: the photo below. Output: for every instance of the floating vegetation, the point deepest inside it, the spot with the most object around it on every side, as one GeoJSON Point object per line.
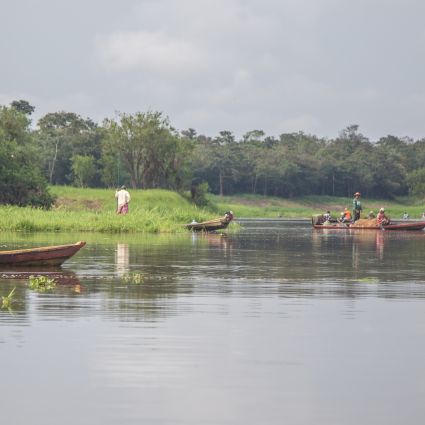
{"type": "Point", "coordinates": [133, 278]}
{"type": "Point", "coordinates": [368, 280]}
{"type": "Point", "coordinates": [7, 300]}
{"type": "Point", "coordinates": [41, 283]}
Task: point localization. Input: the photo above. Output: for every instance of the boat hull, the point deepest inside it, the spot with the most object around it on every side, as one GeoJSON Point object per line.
{"type": "Point", "coordinates": [41, 256]}
{"type": "Point", "coordinates": [415, 226]}
{"type": "Point", "coordinates": [208, 226]}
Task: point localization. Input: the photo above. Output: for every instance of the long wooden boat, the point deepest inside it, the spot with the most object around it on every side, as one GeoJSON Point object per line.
{"type": "Point", "coordinates": [41, 256]}
{"type": "Point", "coordinates": [209, 226]}
{"type": "Point", "coordinates": [418, 225]}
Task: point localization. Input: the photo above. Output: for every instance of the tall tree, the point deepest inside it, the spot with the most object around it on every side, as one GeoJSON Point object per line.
{"type": "Point", "coordinates": [21, 179]}
{"type": "Point", "coordinates": [62, 135]}
{"type": "Point", "coordinates": [149, 149]}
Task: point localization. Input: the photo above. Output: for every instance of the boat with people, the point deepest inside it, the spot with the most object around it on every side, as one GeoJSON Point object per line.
{"type": "Point", "coordinates": [40, 256]}
{"type": "Point", "coordinates": [318, 222]}
{"type": "Point", "coordinates": [211, 225]}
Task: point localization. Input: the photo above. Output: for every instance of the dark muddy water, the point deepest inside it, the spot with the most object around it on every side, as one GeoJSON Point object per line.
{"type": "Point", "coordinates": [279, 324]}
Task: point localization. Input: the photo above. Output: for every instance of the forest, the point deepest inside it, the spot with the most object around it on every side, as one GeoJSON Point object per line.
{"type": "Point", "coordinates": [143, 150]}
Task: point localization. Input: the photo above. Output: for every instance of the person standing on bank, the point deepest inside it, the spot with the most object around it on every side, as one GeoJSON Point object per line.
{"type": "Point", "coordinates": [123, 198]}
{"type": "Point", "coordinates": [357, 206]}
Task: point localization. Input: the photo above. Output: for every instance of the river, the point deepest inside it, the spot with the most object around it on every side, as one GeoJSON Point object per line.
{"type": "Point", "coordinates": [277, 324]}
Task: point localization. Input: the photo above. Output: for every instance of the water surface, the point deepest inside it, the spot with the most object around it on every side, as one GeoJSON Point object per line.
{"type": "Point", "coordinates": [277, 324]}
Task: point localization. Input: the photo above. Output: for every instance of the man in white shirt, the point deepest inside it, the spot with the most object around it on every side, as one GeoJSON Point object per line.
{"type": "Point", "coordinates": [123, 198]}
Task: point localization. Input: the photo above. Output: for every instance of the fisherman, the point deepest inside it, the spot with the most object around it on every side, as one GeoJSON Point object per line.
{"type": "Point", "coordinates": [357, 206]}
{"type": "Point", "coordinates": [228, 215]}
{"type": "Point", "coordinates": [371, 215]}
{"type": "Point", "coordinates": [327, 216]}
{"type": "Point", "coordinates": [381, 218]}
{"type": "Point", "coordinates": [345, 216]}
{"type": "Point", "coordinates": [123, 198]}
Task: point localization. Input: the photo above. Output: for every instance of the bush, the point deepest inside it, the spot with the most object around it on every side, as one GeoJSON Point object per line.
{"type": "Point", "coordinates": [199, 194]}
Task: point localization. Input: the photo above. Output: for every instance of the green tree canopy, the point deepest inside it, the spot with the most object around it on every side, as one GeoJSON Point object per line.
{"type": "Point", "coordinates": [21, 178]}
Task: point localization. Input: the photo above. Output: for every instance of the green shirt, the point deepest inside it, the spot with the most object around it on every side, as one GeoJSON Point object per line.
{"type": "Point", "coordinates": [357, 205]}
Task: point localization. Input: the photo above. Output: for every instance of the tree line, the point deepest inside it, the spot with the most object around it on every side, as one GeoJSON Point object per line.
{"type": "Point", "coordinates": [143, 150]}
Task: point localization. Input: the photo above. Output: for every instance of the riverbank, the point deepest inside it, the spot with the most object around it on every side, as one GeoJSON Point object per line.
{"type": "Point", "coordinates": [163, 211]}
{"type": "Point", "coordinates": [257, 206]}
{"type": "Point", "coordinates": [93, 210]}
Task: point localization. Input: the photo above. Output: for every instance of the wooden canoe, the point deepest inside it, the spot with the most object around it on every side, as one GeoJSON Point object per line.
{"type": "Point", "coordinates": [418, 225]}
{"type": "Point", "coordinates": [209, 226]}
{"type": "Point", "coordinates": [41, 256]}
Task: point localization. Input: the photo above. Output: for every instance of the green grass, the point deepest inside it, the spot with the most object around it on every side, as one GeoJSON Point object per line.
{"type": "Point", "coordinates": [304, 207]}
{"type": "Point", "coordinates": [163, 211]}
{"type": "Point", "coordinates": [93, 210]}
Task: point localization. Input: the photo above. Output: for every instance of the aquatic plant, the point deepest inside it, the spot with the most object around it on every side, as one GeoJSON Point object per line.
{"type": "Point", "coordinates": [41, 283]}
{"type": "Point", "coordinates": [133, 278]}
{"type": "Point", "coordinates": [7, 300]}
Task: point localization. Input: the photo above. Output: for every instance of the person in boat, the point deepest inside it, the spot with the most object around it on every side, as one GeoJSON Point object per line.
{"type": "Point", "coordinates": [345, 216]}
{"type": "Point", "coordinates": [382, 219]}
{"type": "Point", "coordinates": [371, 215]}
{"type": "Point", "coordinates": [327, 216]}
{"type": "Point", "coordinates": [357, 206]}
{"type": "Point", "coordinates": [228, 215]}
{"type": "Point", "coordinates": [405, 216]}
{"type": "Point", "coordinates": [123, 198]}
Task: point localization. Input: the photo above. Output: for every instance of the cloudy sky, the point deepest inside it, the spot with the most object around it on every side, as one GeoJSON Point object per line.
{"type": "Point", "coordinates": [277, 65]}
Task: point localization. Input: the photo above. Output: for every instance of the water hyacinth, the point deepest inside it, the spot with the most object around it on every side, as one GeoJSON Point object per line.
{"type": "Point", "coordinates": [133, 278]}
{"type": "Point", "coordinates": [41, 283]}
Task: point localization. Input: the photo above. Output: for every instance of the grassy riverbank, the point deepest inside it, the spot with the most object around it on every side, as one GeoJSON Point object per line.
{"type": "Point", "coordinates": [154, 211]}
{"type": "Point", "coordinates": [304, 207]}
{"type": "Point", "coordinates": [93, 210]}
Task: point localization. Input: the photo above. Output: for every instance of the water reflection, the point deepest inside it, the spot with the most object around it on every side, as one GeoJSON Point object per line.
{"type": "Point", "coordinates": [122, 259]}
{"type": "Point", "coordinates": [278, 260]}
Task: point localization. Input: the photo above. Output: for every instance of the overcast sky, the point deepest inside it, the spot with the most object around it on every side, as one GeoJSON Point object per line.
{"type": "Point", "coordinates": [277, 65]}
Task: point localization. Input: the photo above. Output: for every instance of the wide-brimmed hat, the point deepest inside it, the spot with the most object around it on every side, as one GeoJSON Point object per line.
{"type": "Point", "coordinates": [382, 209]}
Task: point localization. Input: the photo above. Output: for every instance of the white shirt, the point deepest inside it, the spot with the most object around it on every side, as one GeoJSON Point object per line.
{"type": "Point", "coordinates": [123, 197]}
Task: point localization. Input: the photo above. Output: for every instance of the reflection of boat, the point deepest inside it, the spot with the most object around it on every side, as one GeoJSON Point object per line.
{"type": "Point", "coordinates": [211, 225]}
{"type": "Point", "coordinates": [419, 225]}
{"type": "Point", "coordinates": [41, 256]}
